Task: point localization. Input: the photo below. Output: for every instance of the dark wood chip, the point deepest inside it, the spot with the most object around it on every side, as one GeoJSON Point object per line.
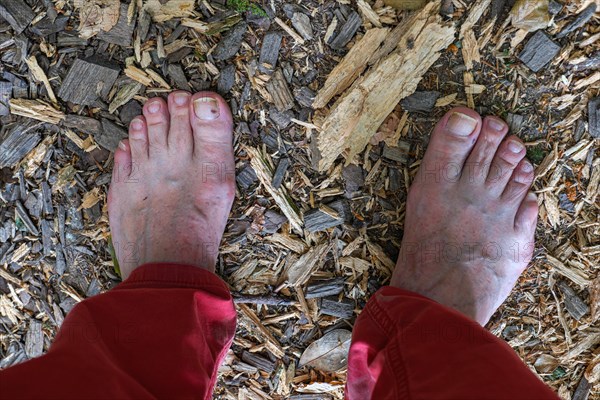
{"type": "Point", "coordinates": [423, 101]}
{"type": "Point", "coordinates": [304, 96]}
{"type": "Point", "coordinates": [317, 220]}
{"type": "Point", "coordinates": [19, 139]}
{"type": "Point", "coordinates": [349, 28]}
{"type": "Point", "coordinates": [578, 22]}
{"type": "Point", "coordinates": [226, 79]}
{"type": "Point", "coordinates": [122, 33]}
{"type": "Point", "coordinates": [17, 13]}
{"type": "Point", "coordinates": [24, 217]}
{"type": "Point", "coordinates": [178, 78]}
{"type": "Point", "coordinates": [301, 22]}
{"type": "Point", "coordinates": [280, 92]}
{"type": "Point", "coordinates": [111, 135]}
{"type": "Point", "coordinates": [573, 303]}
{"type": "Point", "coordinates": [259, 362]}
{"type": "Point", "coordinates": [48, 26]}
{"type": "Point", "coordinates": [269, 52]}
{"type": "Point", "coordinates": [539, 51]}
{"type": "Point", "coordinates": [34, 339]}
{"type": "Point", "coordinates": [280, 171]}
{"type": "Point", "coordinates": [330, 287]}
{"type": "Point", "coordinates": [583, 390]}
{"type": "Point", "coordinates": [341, 309]}
{"type": "Point", "coordinates": [397, 153]}
{"type": "Point", "coordinates": [230, 43]}
{"type": "Point", "coordinates": [594, 117]}
{"type": "Point", "coordinates": [246, 177]}
{"type": "Point", "coordinates": [88, 79]}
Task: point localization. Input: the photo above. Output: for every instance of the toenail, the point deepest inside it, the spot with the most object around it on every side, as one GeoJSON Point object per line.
{"type": "Point", "coordinates": [526, 167]}
{"type": "Point", "coordinates": [515, 147]}
{"type": "Point", "coordinates": [154, 107]}
{"type": "Point", "coordinates": [531, 197]}
{"type": "Point", "coordinates": [496, 124]}
{"type": "Point", "coordinates": [206, 108]}
{"type": "Point", "coordinates": [137, 125]}
{"type": "Point", "coordinates": [122, 146]}
{"type": "Point", "coordinates": [181, 98]}
{"type": "Point", "coordinates": [461, 124]}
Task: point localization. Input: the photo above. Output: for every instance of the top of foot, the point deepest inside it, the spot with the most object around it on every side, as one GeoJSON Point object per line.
{"type": "Point", "coordinates": [470, 219]}
{"type": "Point", "coordinates": [173, 182]}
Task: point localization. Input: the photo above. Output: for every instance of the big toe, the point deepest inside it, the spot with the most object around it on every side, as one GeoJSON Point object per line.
{"type": "Point", "coordinates": [451, 141]}
{"type": "Point", "coordinates": [212, 126]}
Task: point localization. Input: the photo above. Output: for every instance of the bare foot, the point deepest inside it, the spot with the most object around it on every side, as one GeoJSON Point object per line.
{"type": "Point", "coordinates": [173, 183]}
{"type": "Point", "coordinates": [470, 221]}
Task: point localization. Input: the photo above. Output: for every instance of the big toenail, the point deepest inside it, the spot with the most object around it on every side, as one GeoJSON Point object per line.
{"type": "Point", "coordinates": [461, 124]}
{"type": "Point", "coordinates": [154, 107]}
{"type": "Point", "coordinates": [206, 108]}
{"type": "Point", "coordinates": [526, 167]}
{"type": "Point", "coordinates": [136, 125]}
{"type": "Point", "coordinates": [496, 124]}
{"type": "Point", "coordinates": [180, 98]}
{"type": "Point", "coordinates": [515, 147]}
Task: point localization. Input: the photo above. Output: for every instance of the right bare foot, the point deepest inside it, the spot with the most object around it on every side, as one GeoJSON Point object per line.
{"type": "Point", "coordinates": [470, 222]}
{"type": "Point", "coordinates": [173, 183]}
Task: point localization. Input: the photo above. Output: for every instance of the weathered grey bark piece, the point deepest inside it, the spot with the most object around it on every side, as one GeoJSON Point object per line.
{"type": "Point", "coordinates": [301, 22]}
{"type": "Point", "coordinates": [111, 135]}
{"type": "Point", "coordinates": [87, 80]}
{"type": "Point", "coordinates": [22, 213]}
{"type": "Point", "coordinates": [349, 28]}
{"type": "Point", "coordinates": [325, 217]}
{"type": "Point", "coordinates": [246, 177]}
{"type": "Point", "coordinates": [583, 390]}
{"type": "Point", "coordinates": [581, 20]}
{"type": "Point", "coordinates": [122, 33]}
{"type": "Point", "coordinates": [47, 208]}
{"type": "Point", "coordinates": [398, 153]}
{"type": "Point", "coordinates": [5, 95]}
{"type": "Point", "coordinates": [591, 63]}
{"type": "Point", "coordinates": [280, 92]}
{"type": "Point", "coordinates": [331, 287]}
{"type": "Point", "coordinates": [258, 361]}
{"type": "Point", "coordinates": [34, 339]}
{"type": "Point", "coordinates": [47, 232]}
{"type": "Point", "coordinates": [269, 52]}
{"type": "Point", "coordinates": [47, 26]}
{"type": "Point", "coordinates": [280, 171]}
{"type": "Point", "coordinates": [19, 139]}
{"type": "Point", "coordinates": [226, 79]}
{"type": "Point", "coordinates": [86, 125]}
{"type": "Point", "coordinates": [17, 13]}
{"type": "Point", "coordinates": [420, 101]}
{"type": "Point", "coordinates": [594, 117]}
{"type": "Point", "coordinates": [341, 309]}
{"type": "Point", "coordinates": [539, 51]}
{"type": "Point", "coordinates": [573, 303]}
{"type": "Point", "coordinates": [231, 43]}
{"type": "Point", "coordinates": [304, 96]}
{"type": "Point", "coordinates": [281, 119]}
{"type": "Point", "coordinates": [554, 7]}
{"type": "Point", "coordinates": [178, 78]}
{"type": "Point", "coordinates": [515, 122]}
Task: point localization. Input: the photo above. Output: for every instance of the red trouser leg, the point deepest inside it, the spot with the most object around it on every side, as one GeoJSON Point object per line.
{"type": "Point", "coordinates": [406, 346]}
{"type": "Point", "coordinates": [160, 334]}
{"type": "Point", "coordinates": [165, 330]}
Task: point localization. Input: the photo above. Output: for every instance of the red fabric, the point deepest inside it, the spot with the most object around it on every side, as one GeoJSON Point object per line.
{"type": "Point", "coordinates": [406, 346]}
{"type": "Point", "coordinates": [164, 331]}
{"type": "Point", "coordinates": [160, 334]}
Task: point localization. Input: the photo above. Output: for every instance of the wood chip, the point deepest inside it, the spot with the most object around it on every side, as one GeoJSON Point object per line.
{"type": "Point", "coordinates": [362, 109]}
